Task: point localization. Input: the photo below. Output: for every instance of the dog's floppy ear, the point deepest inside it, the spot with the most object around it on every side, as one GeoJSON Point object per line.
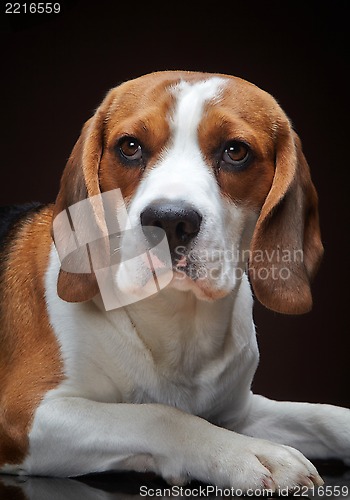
{"type": "Point", "coordinates": [286, 247]}
{"type": "Point", "coordinates": [80, 181]}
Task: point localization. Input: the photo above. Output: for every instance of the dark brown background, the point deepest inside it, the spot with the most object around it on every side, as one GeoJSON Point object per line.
{"type": "Point", "coordinates": [56, 69]}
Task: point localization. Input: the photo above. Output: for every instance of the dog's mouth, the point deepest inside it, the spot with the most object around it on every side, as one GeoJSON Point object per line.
{"type": "Point", "coordinates": [188, 275]}
{"type": "Point", "coordinates": [180, 265]}
{"type": "Point", "coordinates": [150, 266]}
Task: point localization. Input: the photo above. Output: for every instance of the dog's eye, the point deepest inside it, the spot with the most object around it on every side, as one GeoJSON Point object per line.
{"type": "Point", "coordinates": [130, 148]}
{"type": "Point", "coordinates": [236, 154]}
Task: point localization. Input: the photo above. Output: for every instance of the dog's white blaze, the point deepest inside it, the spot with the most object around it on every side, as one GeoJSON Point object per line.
{"type": "Point", "coordinates": [189, 110]}
{"type": "Point", "coordinates": [181, 173]}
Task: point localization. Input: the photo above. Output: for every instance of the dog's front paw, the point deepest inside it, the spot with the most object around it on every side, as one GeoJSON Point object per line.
{"type": "Point", "coordinates": [287, 466]}
{"type": "Point", "coordinates": [228, 460]}
{"type": "Point", "coordinates": [254, 464]}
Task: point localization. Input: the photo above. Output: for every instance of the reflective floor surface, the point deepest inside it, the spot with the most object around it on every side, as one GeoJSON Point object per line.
{"type": "Point", "coordinates": [124, 486]}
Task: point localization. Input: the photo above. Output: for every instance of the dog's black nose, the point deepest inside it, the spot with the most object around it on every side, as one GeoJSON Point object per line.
{"type": "Point", "coordinates": [179, 220]}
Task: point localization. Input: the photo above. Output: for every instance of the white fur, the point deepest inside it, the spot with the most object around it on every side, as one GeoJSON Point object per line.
{"type": "Point", "coordinates": [164, 384]}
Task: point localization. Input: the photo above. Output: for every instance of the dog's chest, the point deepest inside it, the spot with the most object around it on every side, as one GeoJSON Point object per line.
{"type": "Point", "coordinates": [111, 365]}
{"type": "Point", "coordinates": [106, 359]}
{"type": "Point", "coordinates": [106, 366]}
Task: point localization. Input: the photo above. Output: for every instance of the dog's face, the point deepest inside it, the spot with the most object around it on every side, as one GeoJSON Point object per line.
{"type": "Point", "coordinates": [212, 161]}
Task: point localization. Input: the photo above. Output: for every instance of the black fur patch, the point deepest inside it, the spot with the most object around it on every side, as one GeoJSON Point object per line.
{"type": "Point", "coordinates": [10, 215]}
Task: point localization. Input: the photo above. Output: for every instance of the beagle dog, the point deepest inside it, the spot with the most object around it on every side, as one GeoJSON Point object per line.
{"type": "Point", "coordinates": [161, 380]}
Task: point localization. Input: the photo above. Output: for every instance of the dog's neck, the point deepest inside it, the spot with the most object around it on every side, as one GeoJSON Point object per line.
{"type": "Point", "coordinates": [178, 328]}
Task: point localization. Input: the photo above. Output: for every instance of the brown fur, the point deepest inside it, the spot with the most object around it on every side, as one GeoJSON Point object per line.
{"type": "Point", "coordinates": [288, 221]}
{"type": "Point", "coordinates": [30, 363]}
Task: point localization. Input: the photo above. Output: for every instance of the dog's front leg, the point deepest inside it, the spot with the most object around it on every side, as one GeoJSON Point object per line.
{"type": "Point", "coordinates": [72, 436]}
{"type": "Point", "coordinates": [317, 430]}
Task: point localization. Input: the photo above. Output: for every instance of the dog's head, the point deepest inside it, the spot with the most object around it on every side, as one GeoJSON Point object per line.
{"type": "Point", "coordinates": [213, 161]}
